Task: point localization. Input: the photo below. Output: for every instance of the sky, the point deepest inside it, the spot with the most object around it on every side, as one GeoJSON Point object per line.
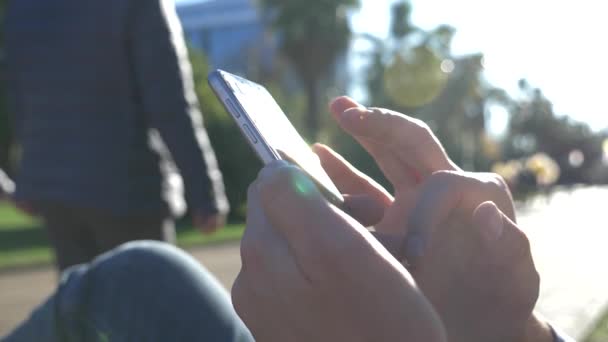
{"type": "Point", "coordinates": [555, 44]}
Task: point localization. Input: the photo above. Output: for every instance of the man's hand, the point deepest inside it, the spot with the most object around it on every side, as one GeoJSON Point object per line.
{"type": "Point", "coordinates": [433, 207]}
{"type": "Point", "coordinates": [408, 153]}
{"type": "Point", "coordinates": [7, 186]}
{"type": "Point", "coordinates": [208, 224]}
{"type": "Point", "coordinates": [476, 268]}
{"type": "Point", "coordinates": [311, 273]}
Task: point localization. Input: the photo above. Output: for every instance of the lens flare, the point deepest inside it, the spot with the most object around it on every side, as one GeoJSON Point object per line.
{"type": "Point", "coordinates": [303, 185]}
{"type": "Point", "coordinates": [447, 66]}
{"type": "Point", "coordinates": [415, 78]}
{"type": "Point", "coordinates": [576, 158]}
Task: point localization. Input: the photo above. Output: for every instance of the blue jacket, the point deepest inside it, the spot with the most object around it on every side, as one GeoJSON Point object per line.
{"type": "Point", "coordinates": [90, 81]}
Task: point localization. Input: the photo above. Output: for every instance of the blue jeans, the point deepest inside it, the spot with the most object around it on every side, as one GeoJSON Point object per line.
{"type": "Point", "coordinates": [140, 291]}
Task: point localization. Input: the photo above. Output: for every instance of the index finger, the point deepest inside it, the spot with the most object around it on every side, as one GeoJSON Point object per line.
{"type": "Point", "coordinates": [409, 139]}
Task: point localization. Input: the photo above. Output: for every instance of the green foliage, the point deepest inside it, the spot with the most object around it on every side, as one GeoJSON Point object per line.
{"type": "Point", "coordinates": [313, 35]}
{"type": "Point", "coordinates": [12, 218]}
{"type": "Point", "coordinates": [414, 72]}
{"type": "Point", "coordinates": [534, 127]}
{"type": "Point", "coordinates": [600, 331]}
{"type": "Point", "coordinates": [424, 80]}
{"type": "Point", "coordinates": [401, 24]}
{"type": "Point", "coordinates": [237, 161]}
{"type": "Point", "coordinates": [24, 242]}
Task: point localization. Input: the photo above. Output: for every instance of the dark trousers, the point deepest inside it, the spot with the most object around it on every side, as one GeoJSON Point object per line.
{"type": "Point", "coordinates": [79, 235]}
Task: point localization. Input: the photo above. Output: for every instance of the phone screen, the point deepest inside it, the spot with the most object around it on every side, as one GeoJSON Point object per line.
{"type": "Point", "coordinates": [267, 127]}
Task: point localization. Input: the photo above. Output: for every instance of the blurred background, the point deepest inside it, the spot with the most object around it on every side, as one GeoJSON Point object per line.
{"type": "Point", "coordinates": [509, 87]}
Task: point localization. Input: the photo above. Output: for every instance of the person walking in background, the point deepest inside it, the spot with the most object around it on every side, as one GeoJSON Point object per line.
{"type": "Point", "coordinates": [7, 187]}
{"type": "Point", "coordinates": [104, 107]}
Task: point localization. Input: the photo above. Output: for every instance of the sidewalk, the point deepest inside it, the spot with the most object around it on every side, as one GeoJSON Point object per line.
{"type": "Point", "coordinates": [569, 239]}
{"type": "Point", "coordinates": [568, 234]}
{"type": "Point", "coordinates": [20, 292]}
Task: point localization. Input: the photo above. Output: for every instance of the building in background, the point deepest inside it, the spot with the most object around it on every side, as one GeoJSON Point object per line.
{"type": "Point", "coordinates": [232, 34]}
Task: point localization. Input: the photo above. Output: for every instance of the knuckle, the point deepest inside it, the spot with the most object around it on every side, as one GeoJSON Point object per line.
{"type": "Point", "coordinates": [500, 181]}
{"type": "Point", "coordinates": [421, 130]}
{"type": "Point", "coordinates": [522, 250]}
{"type": "Point", "coordinates": [330, 258]}
{"type": "Point", "coordinates": [314, 260]}
{"type": "Point", "coordinates": [422, 127]}
{"type": "Point", "coordinates": [339, 254]}
{"type": "Point", "coordinates": [445, 177]}
{"type": "Point", "coordinates": [403, 124]}
{"type": "Point", "coordinates": [495, 183]}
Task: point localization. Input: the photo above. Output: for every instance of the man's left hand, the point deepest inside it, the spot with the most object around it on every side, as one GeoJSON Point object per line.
{"type": "Point", "coordinates": [208, 223]}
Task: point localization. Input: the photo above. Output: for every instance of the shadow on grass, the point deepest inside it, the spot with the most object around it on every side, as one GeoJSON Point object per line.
{"type": "Point", "coordinates": [28, 246]}
{"type": "Point", "coordinates": [22, 238]}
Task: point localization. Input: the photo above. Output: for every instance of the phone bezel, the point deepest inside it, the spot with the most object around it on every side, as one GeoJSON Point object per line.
{"type": "Point", "coordinates": [267, 154]}
{"type": "Point", "coordinates": [223, 90]}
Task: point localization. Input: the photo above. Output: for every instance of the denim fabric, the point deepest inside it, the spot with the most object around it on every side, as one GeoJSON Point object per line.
{"type": "Point", "coordinates": [141, 291]}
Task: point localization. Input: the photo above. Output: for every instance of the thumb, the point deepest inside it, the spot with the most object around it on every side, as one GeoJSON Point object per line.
{"type": "Point", "coordinates": [489, 220]}
{"type": "Point", "coordinates": [505, 243]}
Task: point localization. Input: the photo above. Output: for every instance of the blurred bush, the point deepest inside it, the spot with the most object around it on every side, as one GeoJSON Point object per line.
{"type": "Point", "coordinates": [529, 175]}
{"type": "Point", "coordinates": [415, 72]}
{"type": "Point", "coordinates": [313, 36]}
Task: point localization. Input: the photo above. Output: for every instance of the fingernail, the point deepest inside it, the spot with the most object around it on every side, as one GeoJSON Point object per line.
{"type": "Point", "coordinates": [414, 247]}
{"type": "Point", "coordinates": [271, 168]}
{"type": "Point", "coordinates": [360, 113]}
{"type": "Point", "coordinates": [492, 224]}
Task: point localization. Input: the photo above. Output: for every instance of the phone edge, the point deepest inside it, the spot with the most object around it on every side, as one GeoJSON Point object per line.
{"type": "Point", "coordinates": [223, 91]}
{"type": "Point", "coordinates": [218, 84]}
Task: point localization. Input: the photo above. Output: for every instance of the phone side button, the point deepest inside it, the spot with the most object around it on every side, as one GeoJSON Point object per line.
{"type": "Point", "coordinates": [249, 132]}
{"type": "Point", "coordinates": [233, 108]}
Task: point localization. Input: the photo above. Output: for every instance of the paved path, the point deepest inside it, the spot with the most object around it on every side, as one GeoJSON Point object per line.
{"type": "Point", "coordinates": [20, 292]}
{"type": "Point", "coordinates": [569, 235]}
{"type": "Point", "coordinates": [568, 232]}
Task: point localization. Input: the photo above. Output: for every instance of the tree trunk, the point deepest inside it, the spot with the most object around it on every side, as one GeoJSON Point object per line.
{"type": "Point", "coordinates": [312, 120]}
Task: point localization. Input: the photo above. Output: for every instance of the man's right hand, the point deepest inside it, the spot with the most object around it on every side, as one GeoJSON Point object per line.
{"type": "Point", "coordinates": [208, 223]}
{"type": "Point", "coordinates": [433, 206]}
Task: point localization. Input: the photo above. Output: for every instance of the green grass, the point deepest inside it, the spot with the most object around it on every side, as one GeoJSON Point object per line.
{"type": "Point", "coordinates": [600, 332]}
{"type": "Point", "coordinates": [23, 241]}
{"type": "Point", "coordinates": [11, 218]}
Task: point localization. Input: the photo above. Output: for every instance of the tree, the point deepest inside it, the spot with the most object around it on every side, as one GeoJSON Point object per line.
{"type": "Point", "coordinates": [414, 72]}
{"type": "Point", "coordinates": [313, 35]}
{"type": "Point", "coordinates": [535, 127]}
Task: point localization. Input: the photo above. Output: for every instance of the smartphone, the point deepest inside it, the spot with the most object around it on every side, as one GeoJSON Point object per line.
{"type": "Point", "coordinates": [268, 130]}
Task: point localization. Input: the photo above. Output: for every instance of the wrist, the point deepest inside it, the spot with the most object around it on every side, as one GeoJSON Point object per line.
{"type": "Point", "coordinates": [537, 330]}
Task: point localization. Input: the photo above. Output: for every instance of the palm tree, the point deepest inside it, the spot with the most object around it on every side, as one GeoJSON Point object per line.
{"type": "Point", "coordinates": [313, 34]}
